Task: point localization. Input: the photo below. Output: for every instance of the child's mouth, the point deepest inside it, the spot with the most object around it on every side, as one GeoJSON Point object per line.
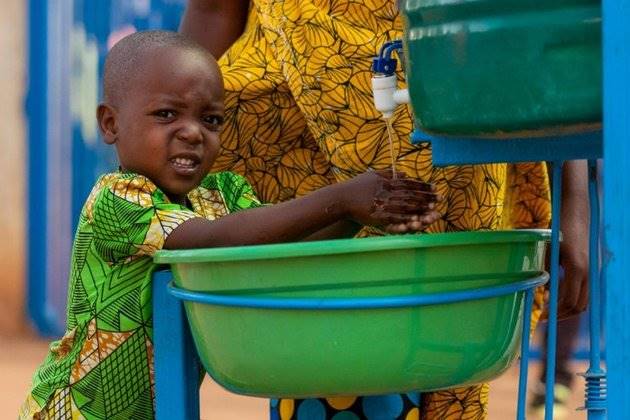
{"type": "Point", "coordinates": [184, 166]}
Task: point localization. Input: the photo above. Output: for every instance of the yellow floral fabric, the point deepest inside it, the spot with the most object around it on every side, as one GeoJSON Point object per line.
{"type": "Point", "coordinates": [300, 115]}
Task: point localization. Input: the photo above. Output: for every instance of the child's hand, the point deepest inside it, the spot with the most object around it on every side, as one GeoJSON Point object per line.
{"type": "Point", "coordinates": [398, 205]}
{"type": "Point", "coordinates": [417, 223]}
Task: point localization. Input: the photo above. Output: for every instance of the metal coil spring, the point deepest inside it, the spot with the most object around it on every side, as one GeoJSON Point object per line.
{"type": "Point", "coordinates": [596, 390]}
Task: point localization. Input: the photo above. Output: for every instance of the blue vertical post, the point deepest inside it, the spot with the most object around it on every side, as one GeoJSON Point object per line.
{"type": "Point", "coordinates": [595, 376]}
{"type": "Point", "coordinates": [554, 269]}
{"type": "Point", "coordinates": [616, 55]}
{"type": "Point", "coordinates": [175, 360]}
{"type": "Point", "coordinates": [522, 379]}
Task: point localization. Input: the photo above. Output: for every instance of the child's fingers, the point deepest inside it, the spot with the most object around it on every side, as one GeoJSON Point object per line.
{"type": "Point", "coordinates": [407, 209]}
{"type": "Point", "coordinates": [396, 218]}
{"type": "Point", "coordinates": [396, 228]}
{"type": "Point", "coordinates": [403, 204]}
{"type": "Point", "coordinates": [415, 226]}
{"type": "Point", "coordinates": [430, 217]}
{"type": "Point", "coordinates": [410, 185]}
{"type": "Point", "coordinates": [419, 223]}
{"type": "Point", "coordinates": [410, 199]}
{"type": "Point", "coordinates": [413, 223]}
{"type": "Point", "coordinates": [383, 217]}
{"type": "Point", "coordinates": [413, 197]}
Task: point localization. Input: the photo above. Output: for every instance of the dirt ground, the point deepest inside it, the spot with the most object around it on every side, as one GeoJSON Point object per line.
{"type": "Point", "coordinates": [20, 355]}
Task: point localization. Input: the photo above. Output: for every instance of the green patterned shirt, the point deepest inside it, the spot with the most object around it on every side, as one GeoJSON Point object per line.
{"type": "Point", "coordinates": [102, 368]}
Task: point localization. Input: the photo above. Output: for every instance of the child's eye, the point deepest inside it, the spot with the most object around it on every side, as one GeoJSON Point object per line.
{"type": "Point", "coordinates": [164, 114]}
{"type": "Point", "coordinates": [214, 122]}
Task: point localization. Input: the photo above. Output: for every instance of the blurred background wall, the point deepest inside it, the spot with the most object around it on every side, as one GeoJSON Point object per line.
{"type": "Point", "coordinates": [12, 166]}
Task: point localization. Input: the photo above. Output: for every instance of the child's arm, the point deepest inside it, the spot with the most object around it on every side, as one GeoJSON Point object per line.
{"type": "Point", "coordinates": [340, 229]}
{"type": "Point", "coordinates": [349, 228]}
{"type": "Point", "coordinates": [369, 199]}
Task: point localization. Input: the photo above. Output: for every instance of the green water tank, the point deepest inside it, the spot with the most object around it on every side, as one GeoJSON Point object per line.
{"type": "Point", "coordinates": [504, 67]}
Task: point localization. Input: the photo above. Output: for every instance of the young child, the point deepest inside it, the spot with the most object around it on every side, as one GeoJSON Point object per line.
{"type": "Point", "coordinates": [163, 110]}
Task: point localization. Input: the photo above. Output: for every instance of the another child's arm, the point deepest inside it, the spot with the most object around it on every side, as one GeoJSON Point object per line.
{"type": "Point", "coordinates": [369, 199]}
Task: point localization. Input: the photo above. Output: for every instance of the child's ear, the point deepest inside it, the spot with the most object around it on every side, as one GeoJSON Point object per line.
{"type": "Point", "coordinates": [106, 116]}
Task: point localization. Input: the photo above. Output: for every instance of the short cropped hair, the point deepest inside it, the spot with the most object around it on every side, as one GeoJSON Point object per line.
{"type": "Point", "coordinates": [126, 56]}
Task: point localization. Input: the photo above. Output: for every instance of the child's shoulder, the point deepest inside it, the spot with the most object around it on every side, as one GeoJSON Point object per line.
{"type": "Point", "coordinates": [141, 190]}
{"type": "Point", "coordinates": [124, 188]}
{"type": "Point", "coordinates": [124, 180]}
{"type": "Point", "coordinates": [127, 185]}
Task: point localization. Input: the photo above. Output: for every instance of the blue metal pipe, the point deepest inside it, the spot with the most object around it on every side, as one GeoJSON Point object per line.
{"type": "Point", "coordinates": [595, 401]}
{"type": "Point", "coordinates": [616, 105]}
{"type": "Point", "coordinates": [594, 286]}
{"type": "Point", "coordinates": [357, 302]}
{"type": "Point", "coordinates": [554, 263]}
{"type": "Point", "coordinates": [522, 378]}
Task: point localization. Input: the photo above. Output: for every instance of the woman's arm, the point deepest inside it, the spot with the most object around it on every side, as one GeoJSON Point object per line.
{"type": "Point", "coordinates": [215, 24]}
{"type": "Point", "coordinates": [574, 224]}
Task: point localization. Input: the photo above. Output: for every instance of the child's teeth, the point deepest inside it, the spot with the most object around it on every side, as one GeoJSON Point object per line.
{"type": "Point", "coordinates": [184, 162]}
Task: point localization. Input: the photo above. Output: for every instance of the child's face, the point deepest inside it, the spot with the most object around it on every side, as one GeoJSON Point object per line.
{"type": "Point", "coordinates": [167, 125]}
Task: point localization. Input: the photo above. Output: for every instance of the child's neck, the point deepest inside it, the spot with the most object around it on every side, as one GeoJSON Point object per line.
{"type": "Point", "coordinates": [182, 201]}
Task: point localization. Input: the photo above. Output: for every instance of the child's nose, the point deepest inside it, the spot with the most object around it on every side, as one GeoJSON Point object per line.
{"type": "Point", "coordinates": [190, 132]}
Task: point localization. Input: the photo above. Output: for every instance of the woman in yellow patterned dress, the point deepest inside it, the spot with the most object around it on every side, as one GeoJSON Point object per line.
{"type": "Point", "coordinates": [300, 115]}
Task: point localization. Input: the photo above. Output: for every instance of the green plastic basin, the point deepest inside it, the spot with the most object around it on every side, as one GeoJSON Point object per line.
{"type": "Point", "coordinates": [304, 353]}
{"type": "Point", "coordinates": [492, 67]}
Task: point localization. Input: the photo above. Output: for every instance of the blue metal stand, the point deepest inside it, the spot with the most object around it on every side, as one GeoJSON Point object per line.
{"type": "Point", "coordinates": [176, 364]}
{"type": "Point", "coordinates": [452, 150]}
{"type": "Point", "coordinates": [556, 149]}
{"type": "Point", "coordinates": [595, 376]}
{"type": "Point", "coordinates": [312, 303]}
{"type": "Point", "coordinates": [177, 369]}
{"type": "Point", "coordinates": [522, 378]}
{"type": "Point", "coordinates": [552, 328]}
{"type": "Point", "coordinates": [448, 151]}
{"type": "Point", "coordinates": [170, 324]}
